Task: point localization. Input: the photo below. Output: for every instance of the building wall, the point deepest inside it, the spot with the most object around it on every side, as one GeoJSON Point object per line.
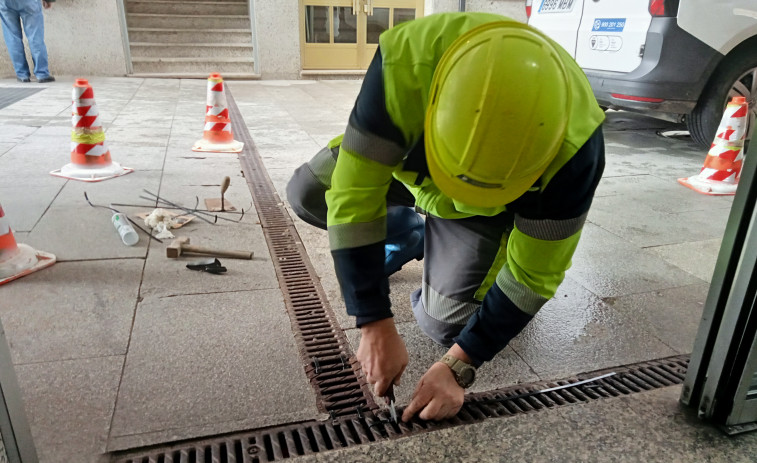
{"type": "Point", "coordinates": [277, 38]}
{"type": "Point", "coordinates": [83, 38]}
{"type": "Point", "coordinates": [513, 8]}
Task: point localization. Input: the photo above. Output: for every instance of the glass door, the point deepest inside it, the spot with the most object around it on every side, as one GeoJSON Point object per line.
{"type": "Point", "coordinates": [343, 34]}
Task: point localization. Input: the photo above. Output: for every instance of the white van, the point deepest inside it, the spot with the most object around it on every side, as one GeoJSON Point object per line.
{"type": "Point", "coordinates": [680, 60]}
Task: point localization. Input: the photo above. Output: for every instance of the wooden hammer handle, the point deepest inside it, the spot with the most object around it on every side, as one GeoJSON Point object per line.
{"type": "Point", "coordinates": [189, 249]}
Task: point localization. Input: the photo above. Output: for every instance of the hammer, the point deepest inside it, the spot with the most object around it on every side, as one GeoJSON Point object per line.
{"type": "Point", "coordinates": [180, 246]}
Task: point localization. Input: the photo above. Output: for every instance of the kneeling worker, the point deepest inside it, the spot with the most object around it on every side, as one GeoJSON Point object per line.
{"type": "Point", "coordinates": [491, 129]}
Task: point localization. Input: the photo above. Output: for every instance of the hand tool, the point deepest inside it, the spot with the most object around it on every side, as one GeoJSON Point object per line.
{"type": "Point", "coordinates": [180, 246]}
{"type": "Point", "coordinates": [220, 205]}
{"type": "Point", "coordinates": [389, 397]}
{"type": "Point", "coordinates": [210, 265]}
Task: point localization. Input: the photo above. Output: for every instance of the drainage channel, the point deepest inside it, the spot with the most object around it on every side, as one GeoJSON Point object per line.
{"type": "Point", "coordinates": [332, 370]}
{"type": "Point", "coordinates": [288, 441]}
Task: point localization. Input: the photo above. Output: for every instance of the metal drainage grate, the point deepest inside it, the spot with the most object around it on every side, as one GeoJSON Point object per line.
{"type": "Point", "coordinates": [340, 389]}
{"type": "Point", "coordinates": [10, 95]}
{"type": "Point", "coordinates": [282, 442]}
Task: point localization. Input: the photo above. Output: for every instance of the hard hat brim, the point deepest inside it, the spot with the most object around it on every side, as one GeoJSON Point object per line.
{"type": "Point", "coordinates": [476, 196]}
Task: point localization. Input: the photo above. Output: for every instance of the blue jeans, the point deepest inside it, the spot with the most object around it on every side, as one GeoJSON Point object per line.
{"type": "Point", "coordinates": [12, 14]}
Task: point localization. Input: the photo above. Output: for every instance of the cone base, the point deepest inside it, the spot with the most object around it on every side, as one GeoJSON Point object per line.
{"type": "Point", "coordinates": [709, 187]}
{"type": "Point", "coordinates": [208, 147]}
{"type": "Point", "coordinates": [27, 260]}
{"type": "Point", "coordinates": [91, 174]}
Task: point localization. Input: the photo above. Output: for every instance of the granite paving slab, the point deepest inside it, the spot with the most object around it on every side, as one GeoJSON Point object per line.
{"type": "Point", "coordinates": [697, 257]}
{"type": "Point", "coordinates": [576, 331]}
{"type": "Point", "coordinates": [639, 223]}
{"type": "Point", "coordinates": [24, 210]}
{"type": "Point", "coordinates": [31, 166]}
{"type": "Point", "coordinates": [69, 406]}
{"type": "Point", "coordinates": [661, 195]}
{"type": "Point", "coordinates": [165, 276]}
{"type": "Point", "coordinates": [609, 266]}
{"type": "Point", "coordinates": [208, 364]}
{"type": "Point", "coordinates": [5, 147]}
{"type": "Point", "coordinates": [71, 310]}
{"type": "Point", "coordinates": [672, 315]}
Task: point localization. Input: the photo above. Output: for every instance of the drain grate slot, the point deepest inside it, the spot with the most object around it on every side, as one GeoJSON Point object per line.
{"type": "Point", "coordinates": [323, 347]}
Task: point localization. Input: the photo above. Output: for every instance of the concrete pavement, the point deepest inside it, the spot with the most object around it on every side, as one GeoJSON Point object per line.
{"type": "Point", "coordinates": [117, 347]}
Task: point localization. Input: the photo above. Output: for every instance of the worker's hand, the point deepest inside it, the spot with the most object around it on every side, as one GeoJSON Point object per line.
{"type": "Point", "coordinates": [382, 354]}
{"type": "Point", "coordinates": [437, 396]}
{"type": "Point", "coordinates": [46, 5]}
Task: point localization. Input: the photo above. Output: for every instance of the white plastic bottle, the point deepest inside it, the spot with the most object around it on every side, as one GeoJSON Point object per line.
{"type": "Point", "coordinates": [128, 235]}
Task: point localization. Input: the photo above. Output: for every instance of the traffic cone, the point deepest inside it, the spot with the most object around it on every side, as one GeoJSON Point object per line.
{"type": "Point", "coordinates": [217, 136]}
{"type": "Point", "coordinates": [722, 168]}
{"type": "Point", "coordinates": [17, 260]}
{"type": "Point", "coordinates": [90, 157]}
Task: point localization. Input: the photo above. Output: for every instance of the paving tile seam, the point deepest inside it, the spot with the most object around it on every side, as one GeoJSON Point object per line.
{"type": "Point", "coordinates": [139, 289]}
{"type": "Point", "coordinates": [68, 359]}
{"type": "Point", "coordinates": [63, 261]}
{"type": "Point", "coordinates": [168, 296]}
{"type": "Point", "coordinates": [262, 418]}
{"type": "Point", "coordinates": [47, 208]}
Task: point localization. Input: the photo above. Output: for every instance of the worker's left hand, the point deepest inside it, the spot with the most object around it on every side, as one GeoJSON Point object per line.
{"type": "Point", "coordinates": [46, 5]}
{"type": "Point", "coordinates": [437, 396]}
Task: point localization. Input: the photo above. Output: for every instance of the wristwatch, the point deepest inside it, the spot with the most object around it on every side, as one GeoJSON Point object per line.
{"type": "Point", "coordinates": [464, 373]}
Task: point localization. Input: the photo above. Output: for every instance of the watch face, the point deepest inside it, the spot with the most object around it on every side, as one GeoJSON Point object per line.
{"type": "Point", "coordinates": [468, 375]}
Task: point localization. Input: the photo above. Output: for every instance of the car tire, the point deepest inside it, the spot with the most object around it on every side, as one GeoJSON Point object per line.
{"type": "Point", "coordinates": [736, 76]}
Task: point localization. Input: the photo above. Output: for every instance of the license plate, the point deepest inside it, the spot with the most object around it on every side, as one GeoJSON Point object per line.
{"type": "Point", "coordinates": [556, 6]}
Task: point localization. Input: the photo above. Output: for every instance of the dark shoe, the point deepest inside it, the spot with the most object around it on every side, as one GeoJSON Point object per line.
{"type": "Point", "coordinates": [47, 79]}
{"type": "Point", "coordinates": [23, 80]}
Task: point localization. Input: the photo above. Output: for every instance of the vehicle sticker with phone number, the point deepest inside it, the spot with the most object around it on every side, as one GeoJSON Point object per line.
{"type": "Point", "coordinates": [609, 24]}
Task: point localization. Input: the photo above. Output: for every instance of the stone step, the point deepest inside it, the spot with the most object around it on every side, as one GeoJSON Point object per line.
{"type": "Point", "coordinates": [201, 8]}
{"type": "Point", "coordinates": [193, 65]}
{"type": "Point", "coordinates": [195, 75]}
{"type": "Point", "coordinates": [184, 1]}
{"type": "Point", "coordinates": [189, 50]}
{"type": "Point", "coordinates": [183, 21]}
{"type": "Point", "coordinates": [207, 36]}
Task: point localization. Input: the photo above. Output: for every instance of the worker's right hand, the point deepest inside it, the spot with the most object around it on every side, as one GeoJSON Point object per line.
{"type": "Point", "coordinates": [46, 5]}
{"type": "Point", "coordinates": [382, 354]}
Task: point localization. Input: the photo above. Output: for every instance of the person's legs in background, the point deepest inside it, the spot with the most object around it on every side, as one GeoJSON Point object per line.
{"type": "Point", "coordinates": [11, 20]}
{"type": "Point", "coordinates": [34, 28]}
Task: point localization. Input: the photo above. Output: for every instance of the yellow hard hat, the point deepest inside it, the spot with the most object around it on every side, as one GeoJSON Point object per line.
{"type": "Point", "coordinates": [497, 113]}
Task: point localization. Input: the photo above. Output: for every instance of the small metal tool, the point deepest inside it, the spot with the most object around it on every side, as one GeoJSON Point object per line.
{"type": "Point", "coordinates": [390, 399]}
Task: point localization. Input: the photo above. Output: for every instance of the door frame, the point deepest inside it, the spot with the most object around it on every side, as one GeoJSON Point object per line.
{"type": "Point", "coordinates": [346, 56]}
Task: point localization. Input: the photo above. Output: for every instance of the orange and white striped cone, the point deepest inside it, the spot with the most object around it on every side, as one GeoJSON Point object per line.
{"type": "Point", "coordinates": [17, 260]}
{"type": "Point", "coordinates": [217, 136]}
{"type": "Point", "coordinates": [90, 157]}
{"type": "Point", "coordinates": [722, 167]}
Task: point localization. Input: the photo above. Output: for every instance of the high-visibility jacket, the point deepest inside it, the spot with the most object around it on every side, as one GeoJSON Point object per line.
{"type": "Point", "coordinates": [384, 140]}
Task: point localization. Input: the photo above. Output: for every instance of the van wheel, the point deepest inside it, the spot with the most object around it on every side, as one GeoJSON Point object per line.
{"type": "Point", "coordinates": [736, 76]}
